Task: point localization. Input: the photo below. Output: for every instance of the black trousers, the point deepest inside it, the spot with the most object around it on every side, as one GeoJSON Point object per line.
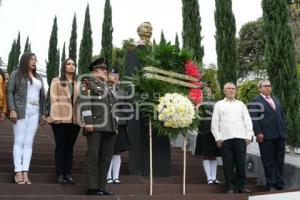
{"type": "Point", "coordinates": [272, 155]}
{"type": "Point", "coordinates": [98, 157]}
{"type": "Point", "coordinates": [234, 163]}
{"type": "Point", "coordinates": [65, 136]}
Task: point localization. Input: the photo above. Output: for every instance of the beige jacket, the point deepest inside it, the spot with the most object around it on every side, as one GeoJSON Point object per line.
{"type": "Point", "coordinates": [62, 110]}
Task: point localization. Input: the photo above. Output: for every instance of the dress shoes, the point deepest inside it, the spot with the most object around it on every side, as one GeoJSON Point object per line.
{"type": "Point", "coordinates": [247, 191]}
{"type": "Point", "coordinates": [69, 179]}
{"type": "Point", "coordinates": [272, 189]}
{"type": "Point", "coordinates": [99, 192]}
{"type": "Point", "coordinates": [230, 192]}
{"type": "Point", "coordinates": [61, 179]}
{"type": "Point", "coordinates": [280, 187]}
{"type": "Point", "coordinates": [104, 192]}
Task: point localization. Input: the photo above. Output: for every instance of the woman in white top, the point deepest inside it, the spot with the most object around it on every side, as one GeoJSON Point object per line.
{"type": "Point", "coordinates": [26, 99]}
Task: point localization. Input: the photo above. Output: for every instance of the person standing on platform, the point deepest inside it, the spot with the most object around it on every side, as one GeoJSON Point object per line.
{"type": "Point", "coordinates": [205, 143]}
{"type": "Point", "coordinates": [96, 101]}
{"type": "Point", "coordinates": [26, 100]}
{"type": "Point", "coordinates": [63, 119]}
{"type": "Point", "coordinates": [122, 141]}
{"type": "Point", "coordinates": [271, 132]}
{"type": "Point", "coordinates": [232, 130]}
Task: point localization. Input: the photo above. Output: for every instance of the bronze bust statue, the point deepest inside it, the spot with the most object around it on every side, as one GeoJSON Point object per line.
{"type": "Point", "coordinates": [144, 31]}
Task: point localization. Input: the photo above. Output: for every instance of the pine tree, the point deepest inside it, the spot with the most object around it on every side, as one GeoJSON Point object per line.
{"type": "Point", "coordinates": [63, 54]}
{"type": "Point", "coordinates": [11, 58]}
{"type": "Point", "coordinates": [86, 45]}
{"type": "Point", "coordinates": [162, 38]}
{"type": "Point", "coordinates": [52, 67]}
{"type": "Point", "coordinates": [191, 33]}
{"type": "Point", "coordinates": [107, 30]}
{"type": "Point", "coordinates": [73, 41]}
{"type": "Point", "coordinates": [280, 62]}
{"type": "Point", "coordinates": [225, 42]}
{"type": "Point", "coordinates": [177, 45]}
{"type": "Point", "coordinates": [26, 48]}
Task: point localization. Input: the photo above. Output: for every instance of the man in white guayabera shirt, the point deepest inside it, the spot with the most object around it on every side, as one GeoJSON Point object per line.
{"type": "Point", "coordinates": [232, 129]}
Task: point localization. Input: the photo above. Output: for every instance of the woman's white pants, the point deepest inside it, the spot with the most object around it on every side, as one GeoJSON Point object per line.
{"type": "Point", "coordinates": [24, 132]}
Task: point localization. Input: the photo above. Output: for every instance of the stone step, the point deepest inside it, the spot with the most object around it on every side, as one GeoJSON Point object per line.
{"type": "Point", "coordinates": [129, 197]}
{"type": "Point", "coordinates": [79, 161]}
{"type": "Point", "coordinates": [121, 189]}
{"type": "Point", "coordinates": [176, 170]}
{"type": "Point", "coordinates": [125, 179]}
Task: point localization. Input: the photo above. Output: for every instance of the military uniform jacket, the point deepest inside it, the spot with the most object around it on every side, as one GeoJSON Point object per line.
{"type": "Point", "coordinates": [96, 101]}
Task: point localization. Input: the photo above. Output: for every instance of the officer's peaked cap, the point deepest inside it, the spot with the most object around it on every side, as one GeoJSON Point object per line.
{"type": "Point", "coordinates": [98, 63]}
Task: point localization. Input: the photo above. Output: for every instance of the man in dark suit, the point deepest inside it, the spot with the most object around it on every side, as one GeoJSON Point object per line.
{"type": "Point", "coordinates": [270, 130]}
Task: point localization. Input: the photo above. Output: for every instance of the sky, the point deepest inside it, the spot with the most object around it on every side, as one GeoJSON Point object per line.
{"type": "Point", "coordinates": [34, 18]}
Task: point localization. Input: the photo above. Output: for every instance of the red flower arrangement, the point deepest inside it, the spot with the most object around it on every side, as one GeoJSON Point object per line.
{"type": "Point", "coordinates": [195, 94]}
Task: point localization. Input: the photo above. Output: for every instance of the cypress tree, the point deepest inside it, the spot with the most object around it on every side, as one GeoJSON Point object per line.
{"type": "Point", "coordinates": [18, 50]}
{"type": "Point", "coordinates": [225, 42]}
{"type": "Point", "coordinates": [86, 45]}
{"type": "Point", "coordinates": [26, 48]}
{"type": "Point", "coordinates": [191, 33]}
{"type": "Point", "coordinates": [154, 42]}
{"type": "Point", "coordinates": [52, 65]}
{"type": "Point", "coordinates": [58, 58]}
{"type": "Point", "coordinates": [73, 41]}
{"type": "Point", "coordinates": [63, 54]}
{"type": "Point", "coordinates": [162, 38]}
{"type": "Point", "coordinates": [177, 45]}
{"type": "Point", "coordinates": [107, 30]}
{"type": "Point", "coordinates": [11, 58]}
{"type": "Point", "coordinates": [280, 62]}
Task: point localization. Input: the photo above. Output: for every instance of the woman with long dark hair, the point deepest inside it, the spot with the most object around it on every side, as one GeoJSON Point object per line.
{"type": "Point", "coordinates": [3, 101]}
{"type": "Point", "coordinates": [63, 95]}
{"type": "Point", "coordinates": [26, 100]}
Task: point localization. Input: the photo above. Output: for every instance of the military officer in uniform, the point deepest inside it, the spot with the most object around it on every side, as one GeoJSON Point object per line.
{"type": "Point", "coordinates": [100, 126]}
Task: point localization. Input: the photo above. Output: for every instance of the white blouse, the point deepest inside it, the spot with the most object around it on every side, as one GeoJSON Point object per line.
{"type": "Point", "coordinates": [33, 91]}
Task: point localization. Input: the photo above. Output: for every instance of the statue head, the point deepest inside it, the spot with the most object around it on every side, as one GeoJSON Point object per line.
{"type": "Point", "coordinates": [144, 31]}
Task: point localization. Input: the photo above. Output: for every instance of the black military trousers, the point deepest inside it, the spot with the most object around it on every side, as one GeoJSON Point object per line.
{"type": "Point", "coordinates": [99, 153]}
{"type": "Point", "coordinates": [234, 163]}
{"type": "Point", "coordinates": [272, 155]}
{"type": "Point", "coordinates": [65, 136]}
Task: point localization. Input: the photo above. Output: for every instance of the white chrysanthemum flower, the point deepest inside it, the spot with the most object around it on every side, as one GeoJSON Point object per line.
{"type": "Point", "coordinates": [175, 110]}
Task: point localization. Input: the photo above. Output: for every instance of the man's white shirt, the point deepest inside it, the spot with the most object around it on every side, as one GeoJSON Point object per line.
{"type": "Point", "coordinates": [230, 120]}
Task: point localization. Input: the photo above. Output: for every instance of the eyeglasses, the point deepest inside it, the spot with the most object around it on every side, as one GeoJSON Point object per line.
{"type": "Point", "coordinates": [266, 86]}
{"type": "Point", "coordinates": [34, 59]}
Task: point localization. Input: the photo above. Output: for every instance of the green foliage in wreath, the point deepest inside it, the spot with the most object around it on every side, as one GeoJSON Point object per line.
{"type": "Point", "coordinates": [148, 91]}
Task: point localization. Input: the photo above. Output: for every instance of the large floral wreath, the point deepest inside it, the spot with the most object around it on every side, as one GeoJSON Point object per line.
{"type": "Point", "coordinates": [168, 89]}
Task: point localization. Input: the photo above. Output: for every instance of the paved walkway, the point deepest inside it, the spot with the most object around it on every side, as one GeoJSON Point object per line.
{"type": "Point", "coordinates": [281, 196]}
